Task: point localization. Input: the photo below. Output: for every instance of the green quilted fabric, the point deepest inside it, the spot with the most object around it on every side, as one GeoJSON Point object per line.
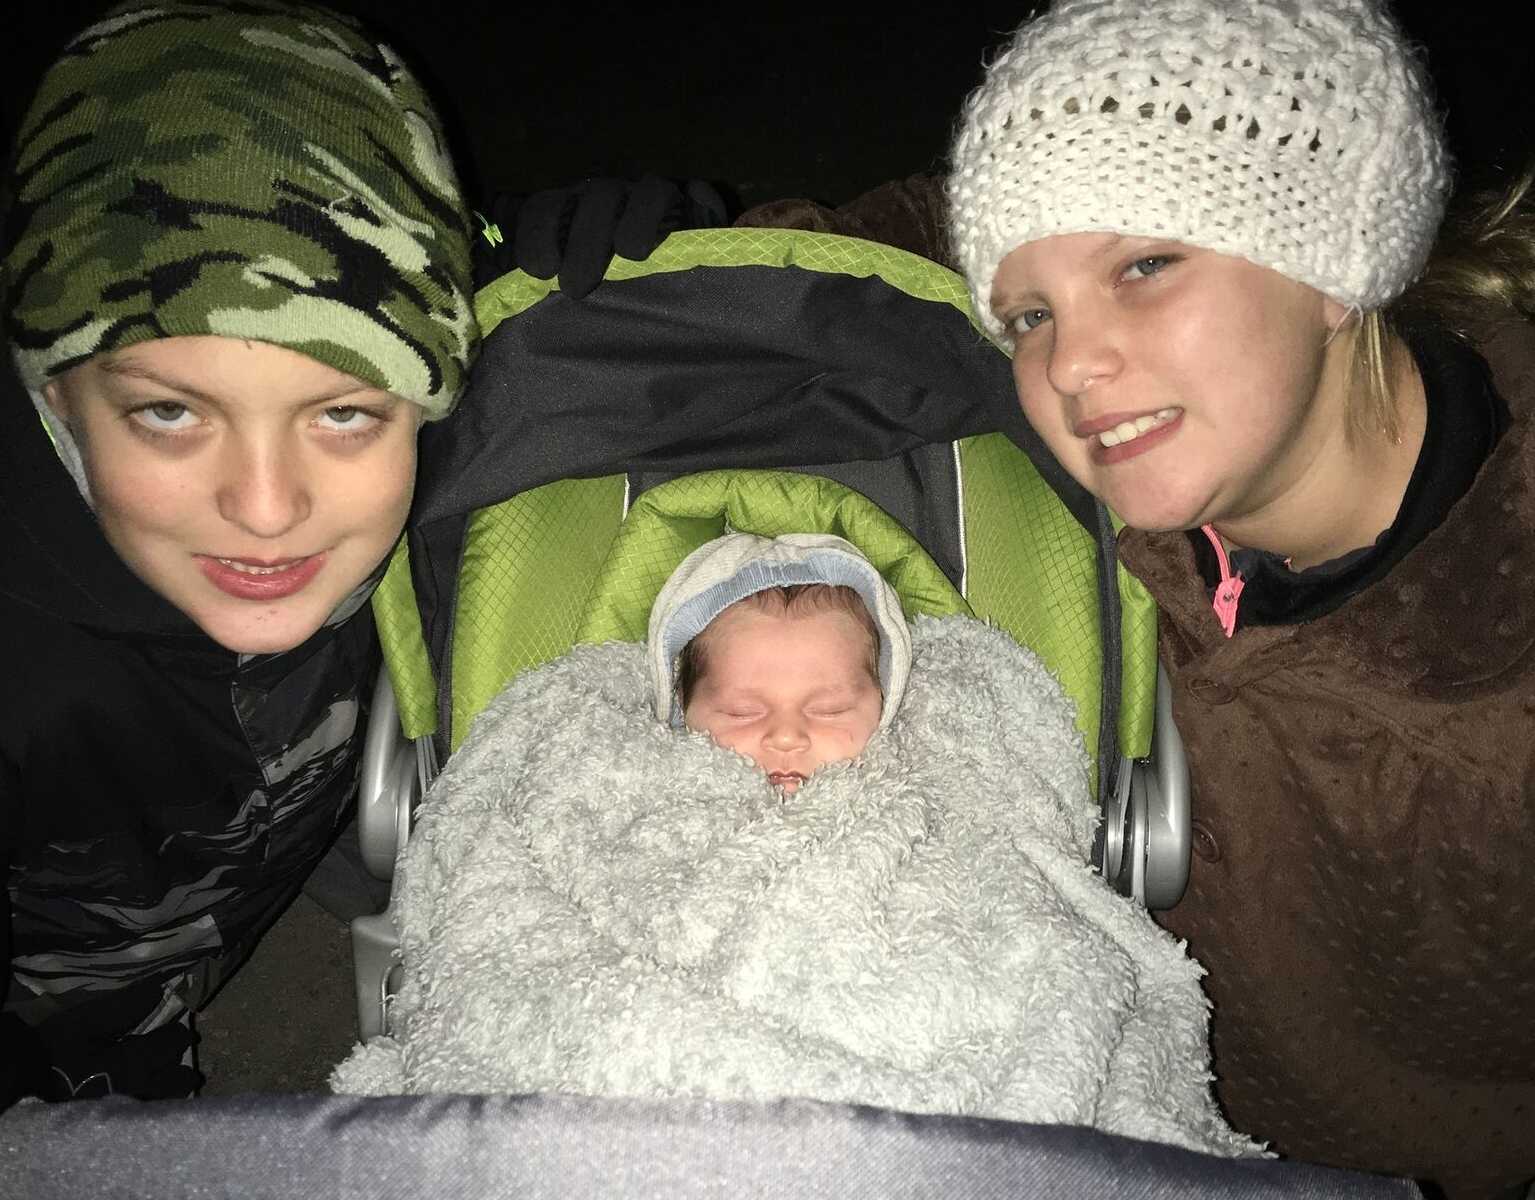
{"type": "Point", "coordinates": [1138, 691]}
{"type": "Point", "coordinates": [1030, 569]}
{"type": "Point", "coordinates": [529, 565]}
{"type": "Point", "coordinates": [916, 276]}
{"type": "Point", "coordinates": [404, 646]}
{"type": "Point", "coordinates": [669, 522]}
{"type": "Point", "coordinates": [558, 565]}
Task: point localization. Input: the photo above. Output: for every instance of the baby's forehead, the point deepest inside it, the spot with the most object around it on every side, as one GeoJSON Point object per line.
{"type": "Point", "coordinates": [758, 611]}
{"type": "Point", "coordinates": [743, 641]}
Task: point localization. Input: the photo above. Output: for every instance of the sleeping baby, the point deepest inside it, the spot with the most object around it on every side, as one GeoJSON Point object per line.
{"type": "Point", "coordinates": [792, 846]}
{"type": "Point", "coordinates": [791, 652]}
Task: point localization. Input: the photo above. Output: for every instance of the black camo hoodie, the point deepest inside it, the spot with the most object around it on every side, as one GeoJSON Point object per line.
{"type": "Point", "coordinates": [161, 798]}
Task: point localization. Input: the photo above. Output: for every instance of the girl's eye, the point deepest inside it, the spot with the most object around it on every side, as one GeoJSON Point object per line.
{"type": "Point", "coordinates": [1143, 268]}
{"type": "Point", "coordinates": [164, 416]}
{"type": "Point", "coordinates": [345, 418]}
{"type": "Point", "coordinates": [829, 713]}
{"type": "Point", "coordinates": [1030, 318]}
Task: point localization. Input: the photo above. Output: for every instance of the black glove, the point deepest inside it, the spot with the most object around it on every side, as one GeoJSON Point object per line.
{"type": "Point", "coordinates": [574, 232]}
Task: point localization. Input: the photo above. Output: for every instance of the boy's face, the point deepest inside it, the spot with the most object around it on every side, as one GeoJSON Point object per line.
{"type": "Point", "coordinates": [250, 485]}
{"type": "Point", "coordinates": [790, 691]}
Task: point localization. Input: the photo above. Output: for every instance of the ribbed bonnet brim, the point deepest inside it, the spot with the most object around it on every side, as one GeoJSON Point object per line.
{"type": "Point", "coordinates": [730, 568]}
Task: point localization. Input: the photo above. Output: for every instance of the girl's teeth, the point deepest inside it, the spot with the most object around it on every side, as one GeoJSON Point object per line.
{"type": "Point", "coordinates": [1128, 431]}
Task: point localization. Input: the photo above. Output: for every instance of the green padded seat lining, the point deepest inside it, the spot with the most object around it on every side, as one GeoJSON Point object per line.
{"type": "Point", "coordinates": [555, 566]}
{"type": "Point", "coordinates": [540, 554]}
{"type": "Point", "coordinates": [558, 565]}
{"type": "Point", "coordinates": [1031, 569]}
{"type": "Point", "coordinates": [669, 522]}
{"type": "Point", "coordinates": [528, 568]}
{"type": "Point", "coordinates": [404, 646]}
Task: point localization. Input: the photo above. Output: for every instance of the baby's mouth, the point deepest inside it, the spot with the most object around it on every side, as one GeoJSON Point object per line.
{"type": "Point", "coordinates": [785, 779]}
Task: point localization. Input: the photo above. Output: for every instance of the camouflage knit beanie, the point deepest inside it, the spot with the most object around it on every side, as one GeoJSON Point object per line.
{"type": "Point", "coordinates": [252, 169]}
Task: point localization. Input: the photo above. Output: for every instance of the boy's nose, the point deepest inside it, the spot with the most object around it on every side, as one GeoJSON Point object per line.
{"type": "Point", "coordinates": [264, 491]}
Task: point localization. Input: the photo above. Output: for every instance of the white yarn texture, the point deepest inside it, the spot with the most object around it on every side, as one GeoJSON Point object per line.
{"type": "Point", "coordinates": [1297, 134]}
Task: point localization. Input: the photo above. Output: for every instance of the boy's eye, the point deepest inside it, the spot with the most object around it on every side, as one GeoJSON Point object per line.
{"type": "Point", "coordinates": [346, 418]}
{"type": "Point", "coordinates": [831, 712]}
{"type": "Point", "coordinates": [164, 416]}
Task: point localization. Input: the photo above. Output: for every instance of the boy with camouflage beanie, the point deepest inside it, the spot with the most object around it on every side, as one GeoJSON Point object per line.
{"type": "Point", "coordinates": [249, 170]}
{"type": "Point", "coordinates": [236, 276]}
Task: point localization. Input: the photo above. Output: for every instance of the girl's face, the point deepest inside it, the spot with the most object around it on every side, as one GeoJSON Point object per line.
{"type": "Point", "coordinates": [1178, 385]}
{"type": "Point", "coordinates": [250, 485]}
{"type": "Point", "coordinates": [791, 691]}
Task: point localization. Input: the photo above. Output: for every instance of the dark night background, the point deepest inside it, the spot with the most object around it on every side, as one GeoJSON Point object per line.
{"type": "Point", "coordinates": [821, 99]}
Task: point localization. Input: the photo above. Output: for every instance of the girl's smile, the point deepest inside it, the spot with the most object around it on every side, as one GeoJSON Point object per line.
{"type": "Point", "coordinates": [1182, 386]}
{"type": "Point", "coordinates": [1121, 438]}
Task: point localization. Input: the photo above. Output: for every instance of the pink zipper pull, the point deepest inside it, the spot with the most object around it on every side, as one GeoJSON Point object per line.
{"type": "Point", "coordinates": [1229, 590]}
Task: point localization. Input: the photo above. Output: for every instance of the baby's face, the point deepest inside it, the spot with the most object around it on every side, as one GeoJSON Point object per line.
{"type": "Point", "coordinates": [789, 691]}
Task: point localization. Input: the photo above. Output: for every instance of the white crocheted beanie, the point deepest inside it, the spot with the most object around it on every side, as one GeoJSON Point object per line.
{"type": "Point", "coordinates": [1300, 135]}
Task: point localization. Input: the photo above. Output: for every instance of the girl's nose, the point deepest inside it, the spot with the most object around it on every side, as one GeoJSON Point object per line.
{"type": "Point", "coordinates": [1082, 355]}
{"type": "Point", "coordinates": [264, 490]}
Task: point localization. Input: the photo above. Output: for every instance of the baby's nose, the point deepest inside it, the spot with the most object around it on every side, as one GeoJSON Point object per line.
{"type": "Point", "coordinates": [787, 731]}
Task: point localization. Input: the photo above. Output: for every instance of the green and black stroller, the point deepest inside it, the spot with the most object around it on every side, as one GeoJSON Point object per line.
{"type": "Point", "coordinates": [768, 381]}
{"type": "Point", "coordinates": [765, 381]}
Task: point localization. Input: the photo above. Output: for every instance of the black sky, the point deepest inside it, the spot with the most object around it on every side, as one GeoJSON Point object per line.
{"type": "Point", "coordinates": [820, 99]}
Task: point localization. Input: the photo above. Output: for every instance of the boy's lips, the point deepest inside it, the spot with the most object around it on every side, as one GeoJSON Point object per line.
{"type": "Point", "coordinates": [779, 778]}
{"type": "Point", "coordinates": [258, 578]}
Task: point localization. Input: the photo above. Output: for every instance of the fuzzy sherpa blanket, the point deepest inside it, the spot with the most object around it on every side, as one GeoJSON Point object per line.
{"type": "Point", "coordinates": [592, 902]}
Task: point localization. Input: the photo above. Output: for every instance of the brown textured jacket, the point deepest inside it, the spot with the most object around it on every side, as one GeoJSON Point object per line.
{"type": "Point", "coordinates": [1363, 885]}
{"type": "Point", "coordinates": [905, 213]}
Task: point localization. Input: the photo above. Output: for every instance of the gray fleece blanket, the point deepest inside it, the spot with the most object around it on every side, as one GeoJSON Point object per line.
{"type": "Point", "coordinates": [594, 903]}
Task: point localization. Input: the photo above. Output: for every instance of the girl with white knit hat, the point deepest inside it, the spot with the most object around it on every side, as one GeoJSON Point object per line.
{"type": "Point", "coordinates": [1210, 233]}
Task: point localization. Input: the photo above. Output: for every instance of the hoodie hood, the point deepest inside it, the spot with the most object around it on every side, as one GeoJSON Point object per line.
{"type": "Point", "coordinates": [735, 566]}
{"type": "Point", "coordinates": [56, 557]}
{"type": "Point", "coordinates": [64, 443]}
